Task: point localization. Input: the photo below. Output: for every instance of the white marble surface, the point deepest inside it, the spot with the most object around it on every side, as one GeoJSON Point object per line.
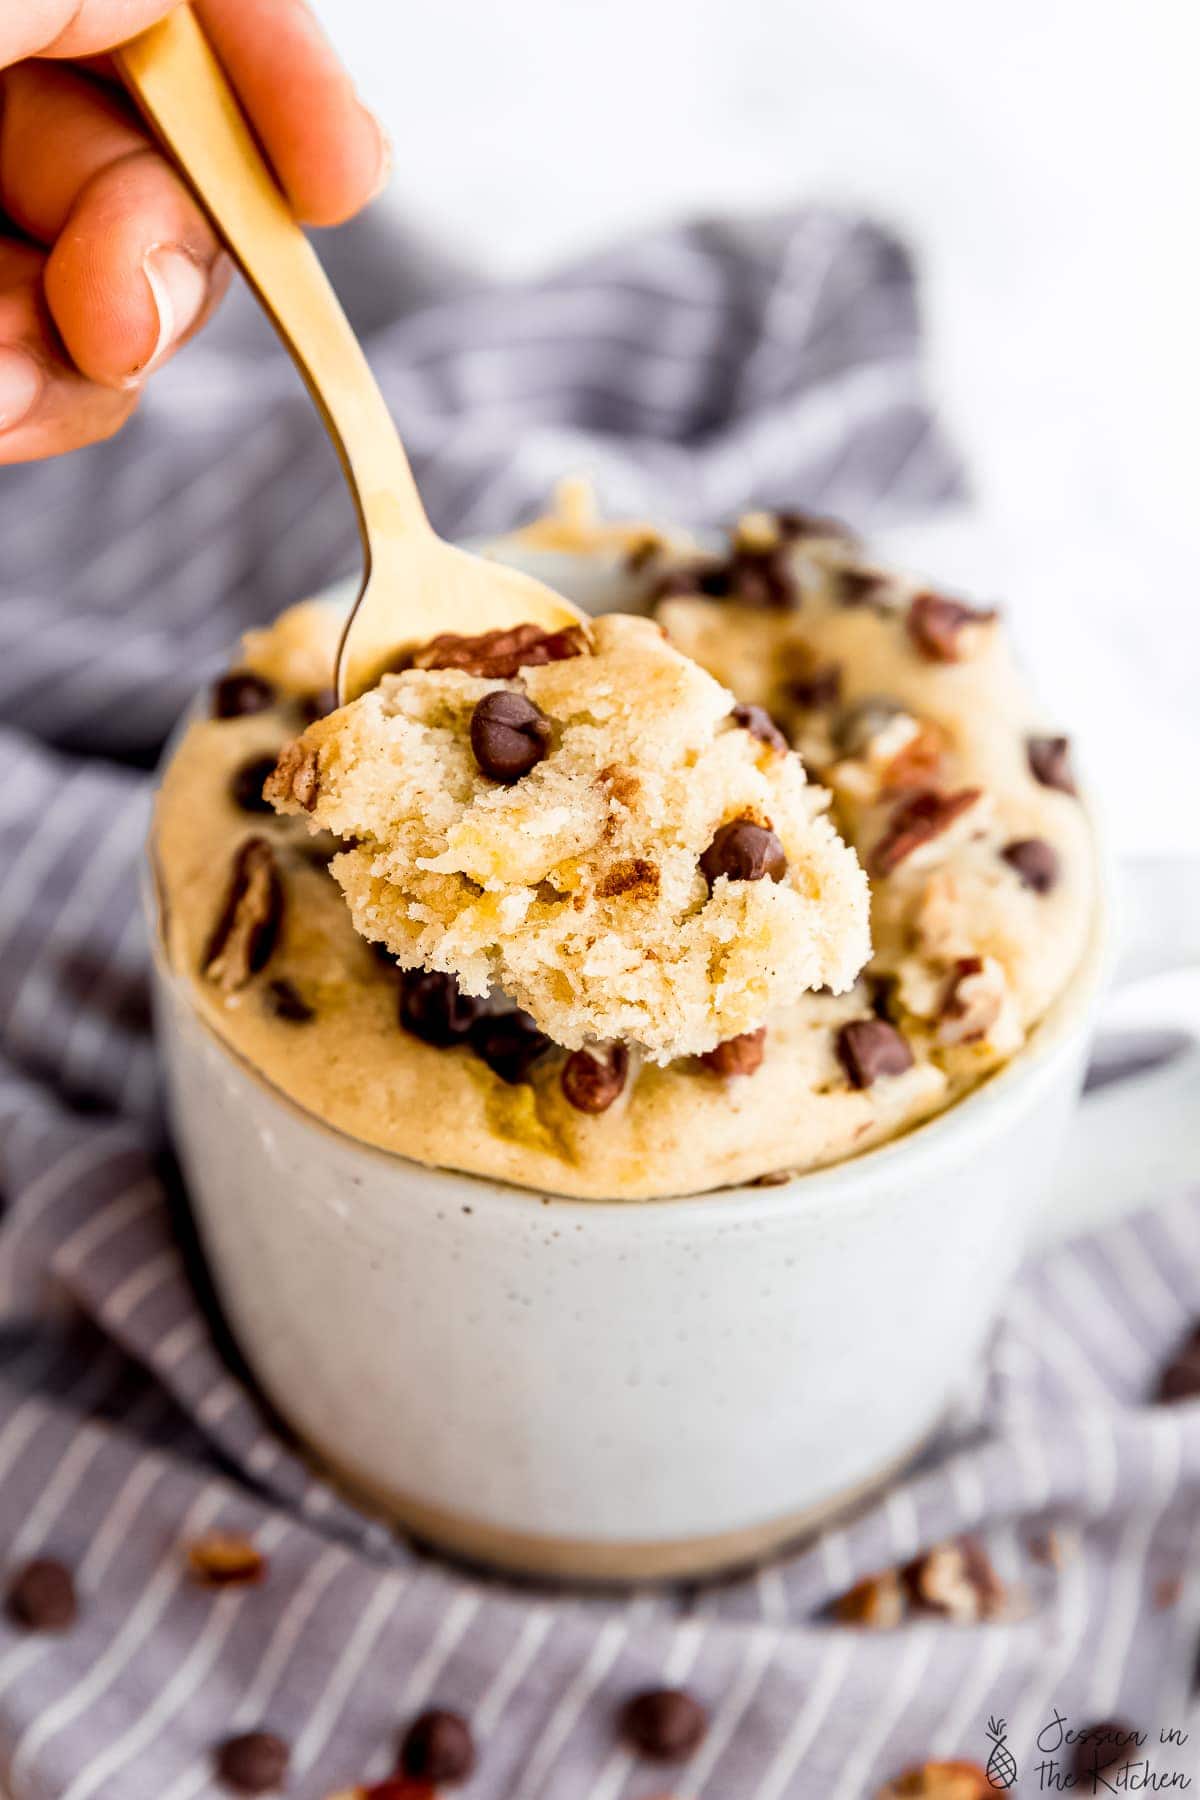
{"type": "Point", "coordinates": [1043, 158]}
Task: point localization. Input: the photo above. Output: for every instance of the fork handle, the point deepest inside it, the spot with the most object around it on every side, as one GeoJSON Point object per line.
{"type": "Point", "coordinates": [181, 88]}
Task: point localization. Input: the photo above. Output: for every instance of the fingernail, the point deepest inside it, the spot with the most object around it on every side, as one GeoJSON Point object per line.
{"type": "Point", "coordinates": [179, 286]}
{"type": "Point", "coordinates": [21, 381]}
{"type": "Point", "coordinates": [385, 158]}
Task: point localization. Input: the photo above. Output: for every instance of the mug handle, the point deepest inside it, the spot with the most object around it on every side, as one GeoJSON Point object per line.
{"type": "Point", "coordinates": [1136, 1136]}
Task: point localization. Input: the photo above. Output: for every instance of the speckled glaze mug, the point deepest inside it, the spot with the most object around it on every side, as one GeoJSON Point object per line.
{"type": "Point", "coordinates": [636, 1390]}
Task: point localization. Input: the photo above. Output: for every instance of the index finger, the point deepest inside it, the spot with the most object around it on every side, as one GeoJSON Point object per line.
{"type": "Point", "coordinates": [72, 27]}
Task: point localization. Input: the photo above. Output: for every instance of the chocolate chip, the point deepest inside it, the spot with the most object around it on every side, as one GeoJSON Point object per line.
{"type": "Point", "coordinates": [917, 820]}
{"type": "Point", "coordinates": [438, 1747]}
{"type": "Point", "coordinates": [283, 999]}
{"type": "Point", "coordinates": [509, 1043]}
{"type": "Point", "coordinates": [509, 735]}
{"type": "Point", "coordinates": [862, 720]}
{"type": "Point", "coordinates": [859, 587]}
{"type": "Point", "coordinates": [1109, 1744]}
{"type": "Point", "coordinates": [41, 1596]}
{"type": "Point", "coordinates": [433, 1009]}
{"type": "Point", "coordinates": [498, 655]}
{"type": "Point", "coordinates": [935, 625]}
{"type": "Point", "coordinates": [239, 692]}
{"type": "Point", "coordinates": [869, 1049]}
{"type": "Point", "coordinates": [246, 784]}
{"type": "Point", "coordinates": [709, 578]}
{"type": "Point", "coordinates": [822, 687]}
{"type": "Point", "coordinates": [592, 1079]}
{"type": "Point", "coordinates": [1050, 762]}
{"type": "Point", "coordinates": [1180, 1380]}
{"type": "Point", "coordinates": [665, 1724]}
{"type": "Point", "coordinates": [759, 723]}
{"type": "Point", "coordinates": [317, 705]}
{"type": "Point", "coordinates": [738, 1055]}
{"type": "Point", "coordinates": [247, 929]}
{"type": "Point", "coordinates": [763, 578]}
{"type": "Point", "coordinates": [796, 525]}
{"type": "Point", "coordinates": [255, 1763]}
{"type": "Point", "coordinates": [1035, 861]}
{"type": "Point", "coordinates": [744, 851]}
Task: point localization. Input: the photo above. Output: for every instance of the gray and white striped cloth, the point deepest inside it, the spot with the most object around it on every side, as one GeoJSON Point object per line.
{"type": "Point", "coordinates": [691, 373]}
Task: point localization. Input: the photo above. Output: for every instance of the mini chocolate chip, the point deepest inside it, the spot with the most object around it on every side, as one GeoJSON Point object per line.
{"type": "Point", "coordinates": [738, 1055]}
{"type": "Point", "coordinates": [1180, 1380]}
{"type": "Point", "coordinates": [317, 705]}
{"type": "Point", "coordinates": [665, 1724]}
{"type": "Point", "coordinates": [917, 820]}
{"type": "Point", "coordinates": [254, 1763]}
{"type": "Point", "coordinates": [287, 1003]}
{"type": "Point", "coordinates": [433, 1009]}
{"type": "Point", "coordinates": [745, 851]}
{"type": "Point", "coordinates": [509, 1043]}
{"type": "Point", "coordinates": [1109, 1744]}
{"type": "Point", "coordinates": [247, 928]}
{"type": "Point", "coordinates": [246, 784]}
{"type": "Point", "coordinates": [1050, 762]}
{"type": "Point", "coordinates": [498, 655]}
{"type": "Point", "coordinates": [820, 688]}
{"type": "Point", "coordinates": [592, 1079]}
{"type": "Point", "coordinates": [870, 1048]}
{"type": "Point", "coordinates": [509, 735]}
{"type": "Point", "coordinates": [41, 1596]}
{"type": "Point", "coordinates": [438, 1746]}
{"type": "Point", "coordinates": [759, 723]}
{"type": "Point", "coordinates": [935, 624]}
{"type": "Point", "coordinates": [862, 720]}
{"type": "Point", "coordinates": [1035, 861]}
{"type": "Point", "coordinates": [241, 692]}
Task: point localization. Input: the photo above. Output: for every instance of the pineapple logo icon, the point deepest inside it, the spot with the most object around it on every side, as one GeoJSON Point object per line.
{"type": "Point", "coordinates": [1001, 1765]}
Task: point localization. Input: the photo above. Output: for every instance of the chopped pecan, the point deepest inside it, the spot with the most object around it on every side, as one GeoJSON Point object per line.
{"type": "Point", "coordinates": [918, 764]}
{"type": "Point", "coordinates": [878, 1602]}
{"type": "Point", "coordinates": [296, 776]}
{"type": "Point", "coordinates": [940, 1781]}
{"type": "Point", "coordinates": [937, 625]}
{"type": "Point", "coordinates": [738, 1055]}
{"type": "Point", "coordinates": [957, 1579]}
{"type": "Point", "coordinates": [219, 1559]}
{"type": "Point", "coordinates": [917, 820]}
{"type": "Point", "coordinates": [498, 655]}
{"type": "Point", "coordinates": [974, 998]}
{"type": "Point", "coordinates": [247, 929]}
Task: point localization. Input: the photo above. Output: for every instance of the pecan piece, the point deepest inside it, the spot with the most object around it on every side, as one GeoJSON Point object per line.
{"type": "Point", "coordinates": [219, 1559]}
{"type": "Point", "coordinates": [957, 1579]}
{"type": "Point", "coordinates": [917, 820]}
{"type": "Point", "coordinates": [296, 776]}
{"type": "Point", "coordinates": [498, 655]}
{"type": "Point", "coordinates": [973, 1000]}
{"type": "Point", "coordinates": [247, 929]}
{"type": "Point", "coordinates": [940, 1781]}
{"type": "Point", "coordinates": [878, 1602]}
{"type": "Point", "coordinates": [937, 625]}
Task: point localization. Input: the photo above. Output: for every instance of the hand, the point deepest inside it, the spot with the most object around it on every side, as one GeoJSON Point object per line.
{"type": "Point", "coordinates": [106, 263]}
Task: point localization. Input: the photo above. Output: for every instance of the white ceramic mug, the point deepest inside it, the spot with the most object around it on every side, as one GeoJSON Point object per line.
{"type": "Point", "coordinates": [615, 1390]}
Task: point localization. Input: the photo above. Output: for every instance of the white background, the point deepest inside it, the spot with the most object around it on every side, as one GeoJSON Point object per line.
{"type": "Point", "coordinates": [1043, 156]}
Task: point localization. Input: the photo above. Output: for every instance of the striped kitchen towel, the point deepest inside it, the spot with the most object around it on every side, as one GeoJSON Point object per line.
{"type": "Point", "coordinates": [691, 373]}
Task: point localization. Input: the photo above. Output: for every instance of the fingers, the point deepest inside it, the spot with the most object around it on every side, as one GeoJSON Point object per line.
{"type": "Point", "coordinates": [329, 153]}
{"type": "Point", "coordinates": [46, 406]}
{"type": "Point", "coordinates": [71, 27]}
{"type": "Point", "coordinates": [135, 267]}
